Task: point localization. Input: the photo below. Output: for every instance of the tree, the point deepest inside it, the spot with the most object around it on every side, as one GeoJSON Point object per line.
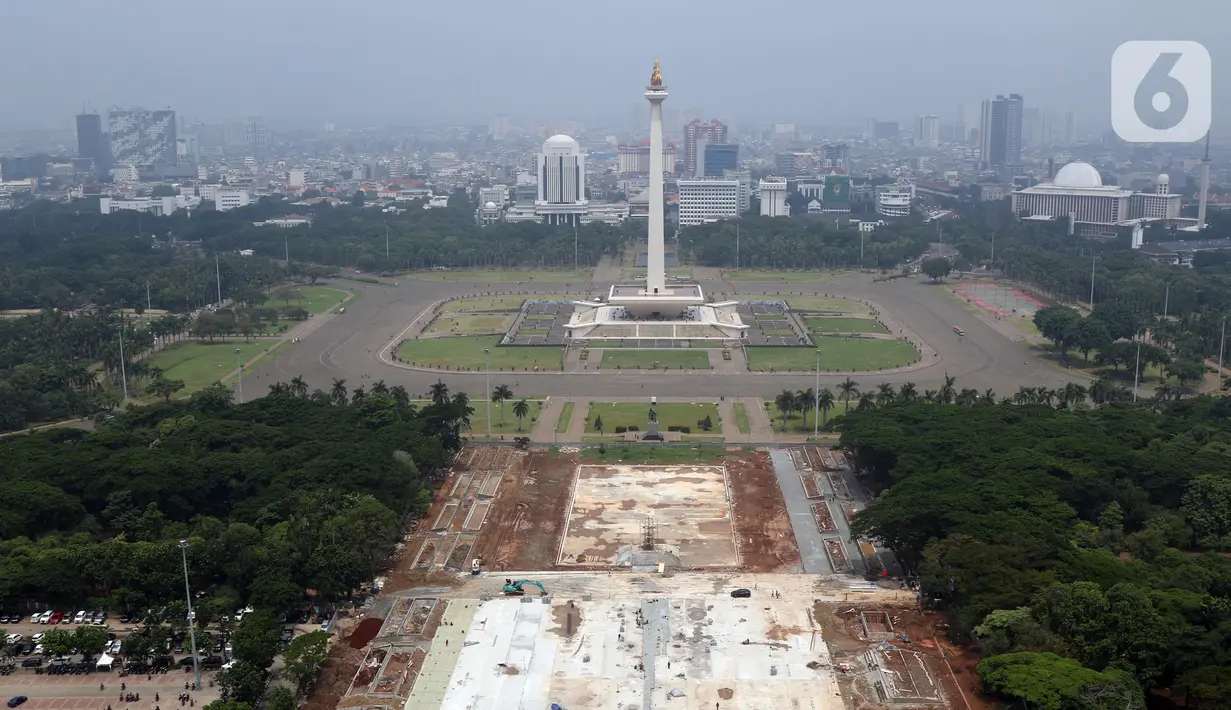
{"type": "Point", "coordinates": [1207, 506]}
{"type": "Point", "coordinates": [847, 391]}
{"type": "Point", "coordinates": [936, 268]}
{"type": "Point", "coordinates": [598, 424]}
{"type": "Point", "coordinates": [521, 410]}
{"type": "Point", "coordinates": [1048, 682]}
{"type": "Point", "coordinates": [1186, 371]}
{"type": "Point", "coordinates": [299, 387]}
{"type": "Point", "coordinates": [1206, 688]}
{"type": "Point", "coordinates": [59, 642]}
{"type": "Point", "coordinates": [338, 393]}
{"type": "Point", "coordinates": [499, 396]}
{"type": "Point", "coordinates": [304, 656]}
{"type": "Point", "coordinates": [1089, 334]}
{"type": "Point", "coordinates": [825, 400]}
{"type": "Point", "coordinates": [885, 394]}
{"type": "Point", "coordinates": [163, 191]}
{"type": "Point", "coordinates": [243, 682]}
{"type": "Point", "coordinates": [805, 401]}
{"type": "Point", "coordinates": [274, 590]}
{"type": "Point", "coordinates": [785, 401]}
{"type": "Point", "coordinates": [281, 698]}
{"type": "Point", "coordinates": [257, 639]}
{"type": "Point", "coordinates": [359, 198]}
{"type": "Point", "coordinates": [231, 704]}
{"type": "Point", "coordinates": [439, 393]}
{"type": "Point", "coordinates": [89, 640]}
{"type": "Point", "coordinates": [1057, 324]}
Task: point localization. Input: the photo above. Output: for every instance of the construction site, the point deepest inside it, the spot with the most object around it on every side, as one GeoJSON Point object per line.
{"type": "Point", "coordinates": [542, 580]}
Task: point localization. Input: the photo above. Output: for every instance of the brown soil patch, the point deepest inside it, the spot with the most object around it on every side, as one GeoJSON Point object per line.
{"type": "Point", "coordinates": [424, 561]}
{"type": "Point", "coordinates": [460, 557]}
{"type": "Point", "coordinates": [762, 526]}
{"type": "Point", "coordinates": [726, 693]}
{"type": "Point", "coordinates": [365, 632]}
{"type": "Point", "coordinates": [780, 633]}
{"type": "Point", "coordinates": [418, 619]}
{"type": "Point", "coordinates": [391, 678]}
{"type": "Point", "coordinates": [526, 520]}
{"type": "Point", "coordinates": [334, 678]}
{"type": "Point", "coordinates": [511, 670]}
{"type": "Point", "coordinates": [433, 621]}
{"type": "Point", "coordinates": [567, 618]}
{"type": "Point", "coordinates": [368, 670]}
{"type": "Point", "coordinates": [404, 579]}
{"type": "Point", "coordinates": [412, 672]}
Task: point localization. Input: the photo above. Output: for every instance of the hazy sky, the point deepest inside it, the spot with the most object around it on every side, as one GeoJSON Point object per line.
{"type": "Point", "coordinates": [425, 61]}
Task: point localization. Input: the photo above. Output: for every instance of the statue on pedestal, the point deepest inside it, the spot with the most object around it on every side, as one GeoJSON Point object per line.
{"type": "Point", "coordinates": [651, 429]}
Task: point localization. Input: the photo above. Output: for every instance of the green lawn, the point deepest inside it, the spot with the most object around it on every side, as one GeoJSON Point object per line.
{"type": "Point", "coordinates": [471, 324]}
{"type": "Point", "coordinates": [838, 354]}
{"type": "Point", "coordinates": [796, 423]}
{"type": "Point", "coordinates": [484, 303]}
{"type": "Point", "coordinates": [314, 299]}
{"type": "Point", "coordinates": [604, 343]}
{"type": "Point", "coordinates": [844, 325]}
{"type": "Point", "coordinates": [646, 454]}
{"type": "Point", "coordinates": [636, 414]}
{"type": "Point", "coordinates": [633, 274]}
{"type": "Point", "coordinates": [200, 365]}
{"type": "Point", "coordinates": [466, 353]}
{"type": "Point", "coordinates": [741, 418]}
{"type": "Point", "coordinates": [827, 303]}
{"type": "Point", "coordinates": [750, 275]}
{"type": "Point", "coordinates": [667, 359]}
{"type": "Point", "coordinates": [566, 416]}
{"type": "Point", "coordinates": [478, 420]}
{"type": "Point", "coordinates": [509, 276]}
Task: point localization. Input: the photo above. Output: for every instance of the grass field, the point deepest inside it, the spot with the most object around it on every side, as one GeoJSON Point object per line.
{"type": "Point", "coordinates": [666, 359]}
{"type": "Point", "coordinates": [645, 454]}
{"type": "Point", "coordinates": [753, 275]}
{"type": "Point", "coordinates": [483, 303]}
{"type": "Point", "coordinates": [200, 365]}
{"type": "Point", "coordinates": [471, 324]}
{"type": "Point", "coordinates": [633, 274]}
{"type": "Point", "coordinates": [509, 276]}
{"type": "Point", "coordinates": [741, 418]}
{"type": "Point", "coordinates": [845, 325]}
{"type": "Point", "coordinates": [827, 303]}
{"type": "Point", "coordinates": [566, 416]}
{"type": "Point", "coordinates": [478, 420]}
{"type": "Point", "coordinates": [636, 414]}
{"type": "Point", "coordinates": [314, 299]}
{"type": "Point", "coordinates": [467, 353]}
{"type": "Point", "coordinates": [838, 354]}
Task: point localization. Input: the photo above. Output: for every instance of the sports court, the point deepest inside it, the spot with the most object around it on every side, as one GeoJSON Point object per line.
{"type": "Point", "coordinates": [1000, 300]}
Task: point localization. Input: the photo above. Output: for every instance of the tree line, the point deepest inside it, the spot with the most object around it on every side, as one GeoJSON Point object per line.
{"type": "Point", "coordinates": [1083, 549]}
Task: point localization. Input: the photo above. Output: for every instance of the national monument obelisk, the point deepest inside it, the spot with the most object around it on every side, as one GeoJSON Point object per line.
{"type": "Point", "coordinates": [656, 268]}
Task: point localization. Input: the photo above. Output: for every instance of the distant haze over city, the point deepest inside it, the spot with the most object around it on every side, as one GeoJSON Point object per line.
{"type": "Point", "coordinates": [301, 62]}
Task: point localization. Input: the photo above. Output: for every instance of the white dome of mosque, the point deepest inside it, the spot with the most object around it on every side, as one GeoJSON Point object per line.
{"type": "Point", "coordinates": [561, 141]}
{"type": "Point", "coordinates": [490, 205]}
{"type": "Point", "coordinates": [1078, 175]}
{"type": "Point", "coordinates": [1162, 178]}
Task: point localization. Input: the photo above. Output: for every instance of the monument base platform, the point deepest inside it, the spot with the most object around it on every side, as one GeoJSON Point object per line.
{"type": "Point", "coordinates": [678, 313]}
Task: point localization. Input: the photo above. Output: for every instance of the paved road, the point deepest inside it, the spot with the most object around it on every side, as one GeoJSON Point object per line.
{"type": "Point", "coordinates": [346, 347]}
{"type": "Point", "coordinates": [807, 536]}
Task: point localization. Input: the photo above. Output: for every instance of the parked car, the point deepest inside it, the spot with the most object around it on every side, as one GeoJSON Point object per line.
{"type": "Point", "coordinates": [5, 619]}
{"type": "Point", "coordinates": [12, 639]}
{"type": "Point", "coordinates": [741, 593]}
{"type": "Point", "coordinates": [38, 637]}
{"type": "Point", "coordinates": [100, 616]}
{"type": "Point", "coordinates": [38, 649]}
{"type": "Point", "coordinates": [80, 617]}
{"type": "Point", "coordinates": [56, 617]}
{"type": "Point", "coordinates": [32, 662]}
{"type": "Point", "coordinates": [287, 635]}
{"type": "Point", "coordinates": [17, 700]}
{"type": "Point", "coordinates": [179, 645]}
{"type": "Point", "coordinates": [45, 617]}
{"type": "Point", "coordinates": [211, 662]}
{"type": "Point", "coordinates": [26, 648]}
{"type": "Point", "coordinates": [217, 645]}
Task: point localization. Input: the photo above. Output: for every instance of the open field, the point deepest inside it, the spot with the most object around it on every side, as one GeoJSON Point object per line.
{"type": "Point", "coordinates": [819, 324]}
{"type": "Point", "coordinates": [838, 354]}
{"type": "Point", "coordinates": [466, 353]}
{"type": "Point", "coordinates": [200, 365]}
{"type": "Point", "coordinates": [504, 276]}
{"type": "Point", "coordinates": [757, 275]}
{"type": "Point", "coordinates": [566, 416]}
{"type": "Point", "coordinates": [827, 304]}
{"type": "Point", "coordinates": [674, 359]}
{"type": "Point", "coordinates": [478, 420]}
{"type": "Point", "coordinates": [314, 299]}
{"type": "Point", "coordinates": [471, 324]}
{"type": "Point", "coordinates": [483, 303]}
{"type": "Point", "coordinates": [636, 414]}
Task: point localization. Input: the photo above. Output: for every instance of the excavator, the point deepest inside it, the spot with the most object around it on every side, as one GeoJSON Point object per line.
{"type": "Point", "coordinates": [512, 588]}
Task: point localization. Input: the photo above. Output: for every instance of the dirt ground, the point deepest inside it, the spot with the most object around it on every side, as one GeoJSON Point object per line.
{"type": "Point", "coordinates": [335, 677]}
{"type": "Point", "coordinates": [763, 528]}
{"type": "Point", "coordinates": [526, 519]}
{"type": "Point", "coordinates": [954, 667]}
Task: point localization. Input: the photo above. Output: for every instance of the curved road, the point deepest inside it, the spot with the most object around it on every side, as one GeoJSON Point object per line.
{"type": "Point", "coordinates": [347, 345]}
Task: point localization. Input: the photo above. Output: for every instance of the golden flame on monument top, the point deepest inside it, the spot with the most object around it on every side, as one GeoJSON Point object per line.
{"type": "Point", "coordinates": [656, 78]}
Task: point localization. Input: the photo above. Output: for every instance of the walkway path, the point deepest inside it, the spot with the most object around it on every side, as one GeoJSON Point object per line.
{"type": "Point", "coordinates": [577, 425]}
{"type": "Point", "coordinates": [811, 544]}
{"type": "Point", "coordinates": [759, 426]}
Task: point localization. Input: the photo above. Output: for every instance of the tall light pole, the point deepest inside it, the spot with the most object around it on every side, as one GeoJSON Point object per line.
{"type": "Point", "coordinates": [737, 247]}
{"type": "Point", "coordinates": [816, 414]}
{"type": "Point", "coordinates": [1166, 300]}
{"type": "Point", "coordinates": [123, 373]}
{"type": "Point", "coordinates": [218, 277]}
{"type": "Point", "coordinates": [574, 246]}
{"type": "Point", "coordinates": [861, 233]}
{"type": "Point", "coordinates": [1093, 261]}
{"type": "Point", "coordinates": [993, 249]}
{"type": "Point", "coordinates": [286, 248]}
{"type": "Point", "coordinates": [240, 366]}
{"type": "Point", "coordinates": [1222, 340]}
{"type": "Point", "coordinates": [147, 296]}
{"type": "Point", "coordinates": [1136, 370]}
{"type": "Point", "coordinates": [487, 376]}
{"type": "Point", "coordinates": [386, 241]}
{"type": "Point", "coordinates": [192, 622]}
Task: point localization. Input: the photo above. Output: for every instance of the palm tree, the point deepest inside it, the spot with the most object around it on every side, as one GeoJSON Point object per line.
{"type": "Point", "coordinates": [164, 388]}
{"type": "Point", "coordinates": [907, 393]}
{"type": "Point", "coordinates": [947, 392]}
{"type": "Point", "coordinates": [989, 396]}
{"type": "Point", "coordinates": [439, 393]}
{"type": "Point", "coordinates": [848, 390]}
{"type": "Point", "coordinates": [805, 401]}
{"type": "Point", "coordinates": [967, 397]}
{"type": "Point", "coordinates": [885, 394]}
{"type": "Point", "coordinates": [1025, 395]}
{"type": "Point", "coordinates": [399, 395]}
{"type": "Point", "coordinates": [338, 393]}
{"type": "Point", "coordinates": [520, 410]}
{"type": "Point", "coordinates": [1042, 395]}
{"type": "Point", "coordinates": [356, 395]}
{"type": "Point", "coordinates": [299, 386]}
{"type": "Point", "coordinates": [785, 401]}
{"type": "Point", "coordinates": [929, 396]}
{"type": "Point", "coordinates": [279, 389]}
{"type": "Point", "coordinates": [825, 401]}
{"type": "Point", "coordinates": [379, 387]}
{"type": "Point", "coordinates": [501, 394]}
{"type": "Point", "coordinates": [461, 399]}
{"type": "Point", "coordinates": [866, 401]}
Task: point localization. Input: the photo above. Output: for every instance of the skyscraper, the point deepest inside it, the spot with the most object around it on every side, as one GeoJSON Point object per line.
{"type": "Point", "coordinates": [256, 136]}
{"type": "Point", "coordinates": [140, 137]}
{"type": "Point", "coordinates": [720, 157]}
{"type": "Point", "coordinates": [713, 132]}
{"type": "Point", "coordinates": [929, 131]}
{"type": "Point", "coordinates": [1070, 128]}
{"type": "Point", "coordinates": [561, 170]}
{"type": "Point", "coordinates": [1004, 140]}
{"type": "Point", "coordinates": [92, 144]}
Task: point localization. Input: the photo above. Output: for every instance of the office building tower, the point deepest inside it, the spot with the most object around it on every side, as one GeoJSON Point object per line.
{"type": "Point", "coordinates": [256, 136]}
{"type": "Point", "coordinates": [142, 138]}
{"type": "Point", "coordinates": [1070, 128]}
{"type": "Point", "coordinates": [869, 129]}
{"type": "Point", "coordinates": [773, 198]}
{"type": "Point", "coordinates": [744, 178]}
{"type": "Point", "coordinates": [561, 170]}
{"type": "Point", "coordinates": [713, 132]}
{"type": "Point", "coordinates": [498, 127]}
{"type": "Point", "coordinates": [703, 201]}
{"type": "Point", "coordinates": [719, 158]}
{"type": "Point", "coordinates": [835, 156]}
{"type": "Point", "coordinates": [1001, 136]}
{"type": "Point", "coordinates": [635, 159]}
{"type": "Point", "coordinates": [928, 135]}
{"type": "Point", "coordinates": [92, 144]}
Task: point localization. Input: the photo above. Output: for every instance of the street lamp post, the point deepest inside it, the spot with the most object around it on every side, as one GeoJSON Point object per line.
{"type": "Point", "coordinates": [240, 366]}
{"type": "Point", "coordinates": [1137, 370]}
{"type": "Point", "coordinates": [816, 424]}
{"type": "Point", "coordinates": [1093, 261]}
{"type": "Point", "coordinates": [123, 373]}
{"type": "Point", "coordinates": [192, 622]}
{"type": "Point", "coordinates": [487, 376]}
{"type": "Point", "coordinates": [1222, 340]}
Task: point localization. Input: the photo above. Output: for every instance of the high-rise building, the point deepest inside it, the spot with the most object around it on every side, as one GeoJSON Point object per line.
{"type": "Point", "coordinates": [256, 136]}
{"type": "Point", "coordinates": [561, 170]}
{"type": "Point", "coordinates": [635, 159]}
{"type": "Point", "coordinates": [141, 137]}
{"type": "Point", "coordinates": [720, 157]}
{"type": "Point", "coordinates": [703, 201]}
{"type": "Point", "coordinates": [498, 127]}
{"type": "Point", "coordinates": [835, 156]}
{"type": "Point", "coordinates": [773, 198]}
{"type": "Point", "coordinates": [1070, 128]}
{"type": "Point", "coordinates": [869, 128]}
{"type": "Point", "coordinates": [713, 132]}
{"type": "Point", "coordinates": [1003, 139]}
{"type": "Point", "coordinates": [929, 131]}
{"type": "Point", "coordinates": [92, 144]}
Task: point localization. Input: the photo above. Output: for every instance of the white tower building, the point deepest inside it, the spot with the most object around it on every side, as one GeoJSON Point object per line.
{"type": "Point", "coordinates": [561, 170]}
{"type": "Point", "coordinates": [773, 198]}
{"type": "Point", "coordinates": [656, 268]}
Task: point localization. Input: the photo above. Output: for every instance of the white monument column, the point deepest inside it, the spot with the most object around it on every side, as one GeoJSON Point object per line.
{"type": "Point", "coordinates": [656, 271]}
